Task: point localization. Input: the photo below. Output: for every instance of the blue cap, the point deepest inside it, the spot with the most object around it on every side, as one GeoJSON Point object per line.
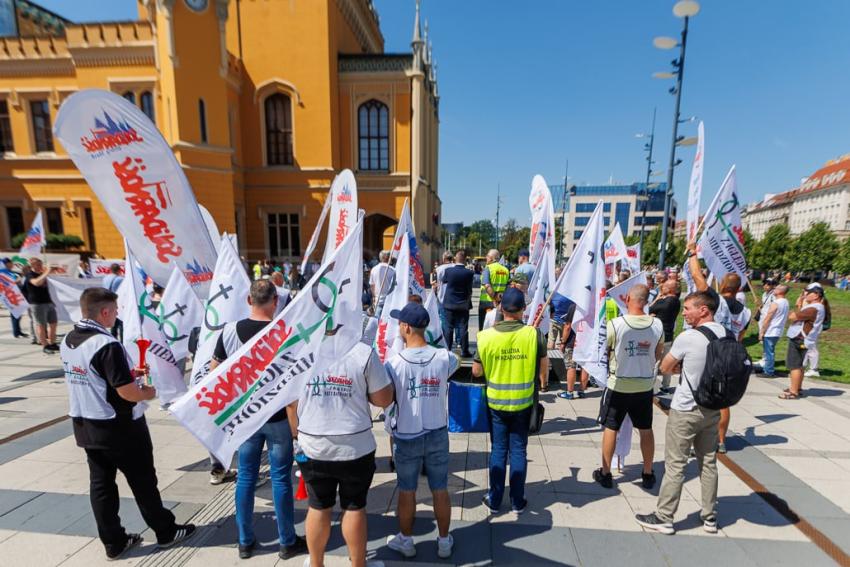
{"type": "Point", "coordinates": [523, 252]}
{"type": "Point", "coordinates": [513, 300]}
{"type": "Point", "coordinates": [413, 314]}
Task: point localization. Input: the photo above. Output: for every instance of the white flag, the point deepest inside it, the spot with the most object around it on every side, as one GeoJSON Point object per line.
{"type": "Point", "coordinates": [102, 268]}
{"type": "Point", "coordinates": [10, 294]}
{"type": "Point", "coordinates": [583, 281]}
{"type": "Point", "coordinates": [388, 341]}
{"type": "Point", "coordinates": [537, 311]}
{"type": "Point", "coordinates": [632, 260]}
{"type": "Point", "coordinates": [133, 171]}
{"type": "Point", "coordinates": [406, 229]}
{"type": "Point", "coordinates": [227, 302]}
{"type": "Point", "coordinates": [269, 372]}
{"type": "Point", "coordinates": [722, 240]}
{"type": "Point", "coordinates": [695, 189]}
{"type": "Point", "coordinates": [141, 322]}
{"type": "Point", "coordinates": [179, 312]}
{"type": "Point", "coordinates": [343, 214]}
{"type": "Point", "coordinates": [35, 239]}
{"type": "Point", "coordinates": [434, 332]}
{"type": "Point", "coordinates": [212, 227]}
{"type": "Point", "coordinates": [615, 246]}
{"type": "Point", "coordinates": [620, 291]}
{"type": "Point", "coordinates": [65, 292]}
{"type": "Point", "coordinates": [542, 219]}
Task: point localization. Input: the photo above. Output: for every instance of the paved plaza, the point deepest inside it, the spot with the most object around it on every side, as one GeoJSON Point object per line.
{"type": "Point", "coordinates": [797, 453]}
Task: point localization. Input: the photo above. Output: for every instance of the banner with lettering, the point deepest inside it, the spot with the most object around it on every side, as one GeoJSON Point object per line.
{"type": "Point", "coordinates": [133, 171]}
{"type": "Point", "coordinates": [10, 294]}
{"type": "Point", "coordinates": [632, 261]}
{"type": "Point", "coordinates": [388, 340]}
{"type": "Point", "coordinates": [406, 229]}
{"type": "Point", "coordinates": [227, 302]}
{"type": "Point", "coordinates": [35, 239]}
{"type": "Point", "coordinates": [141, 322]}
{"type": "Point", "coordinates": [722, 239]}
{"type": "Point", "coordinates": [695, 189]}
{"type": "Point", "coordinates": [615, 246]}
{"type": "Point", "coordinates": [102, 268]}
{"type": "Point", "coordinates": [343, 213]}
{"type": "Point", "coordinates": [65, 292]}
{"type": "Point", "coordinates": [583, 281]}
{"type": "Point", "coordinates": [537, 312]}
{"type": "Point", "coordinates": [269, 372]}
{"type": "Point", "coordinates": [542, 219]}
{"type": "Point", "coordinates": [179, 312]}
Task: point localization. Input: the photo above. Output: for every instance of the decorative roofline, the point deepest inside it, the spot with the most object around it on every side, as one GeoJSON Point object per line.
{"type": "Point", "coordinates": [363, 19]}
{"type": "Point", "coordinates": [391, 62]}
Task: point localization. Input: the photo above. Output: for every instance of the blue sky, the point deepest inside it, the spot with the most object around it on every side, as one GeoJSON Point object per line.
{"type": "Point", "coordinates": [526, 85]}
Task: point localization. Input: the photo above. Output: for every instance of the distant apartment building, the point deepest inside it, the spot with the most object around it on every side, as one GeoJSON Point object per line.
{"type": "Point", "coordinates": [622, 204]}
{"type": "Point", "coordinates": [824, 196]}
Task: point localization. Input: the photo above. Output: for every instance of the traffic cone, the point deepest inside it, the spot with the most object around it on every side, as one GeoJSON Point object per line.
{"type": "Point", "coordinates": [301, 493]}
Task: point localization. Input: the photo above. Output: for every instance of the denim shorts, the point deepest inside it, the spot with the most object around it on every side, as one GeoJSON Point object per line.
{"type": "Point", "coordinates": [430, 449]}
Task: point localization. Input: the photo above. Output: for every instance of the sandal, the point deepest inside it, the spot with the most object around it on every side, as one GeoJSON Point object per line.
{"type": "Point", "coordinates": [788, 396]}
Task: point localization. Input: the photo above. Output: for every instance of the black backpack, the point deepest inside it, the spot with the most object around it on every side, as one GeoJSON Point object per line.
{"type": "Point", "coordinates": [727, 372]}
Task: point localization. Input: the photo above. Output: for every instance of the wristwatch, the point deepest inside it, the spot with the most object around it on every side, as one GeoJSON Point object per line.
{"type": "Point", "coordinates": [691, 254]}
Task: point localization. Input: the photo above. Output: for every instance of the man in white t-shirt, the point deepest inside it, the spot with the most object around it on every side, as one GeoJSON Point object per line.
{"type": "Point", "coordinates": [381, 277]}
{"type": "Point", "coordinates": [689, 424]}
{"type": "Point", "coordinates": [803, 332]}
{"type": "Point", "coordinates": [332, 425]}
{"type": "Point", "coordinates": [770, 328]}
{"type": "Point", "coordinates": [420, 374]}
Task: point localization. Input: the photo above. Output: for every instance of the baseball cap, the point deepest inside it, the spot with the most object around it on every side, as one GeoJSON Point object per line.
{"type": "Point", "coordinates": [413, 314]}
{"type": "Point", "coordinates": [816, 287]}
{"type": "Point", "coordinates": [769, 281]}
{"type": "Point", "coordinates": [513, 300]}
{"type": "Point", "coordinates": [5, 260]}
{"type": "Point", "coordinates": [523, 252]}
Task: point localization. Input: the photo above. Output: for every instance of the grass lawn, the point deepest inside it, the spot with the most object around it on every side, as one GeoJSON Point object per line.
{"type": "Point", "coordinates": [834, 344]}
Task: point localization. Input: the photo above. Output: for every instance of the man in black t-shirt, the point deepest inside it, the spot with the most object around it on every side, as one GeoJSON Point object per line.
{"type": "Point", "coordinates": [666, 308]}
{"type": "Point", "coordinates": [43, 310]}
{"type": "Point", "coordinates": [110, 425]}
{"type": "Point", "coordinates": [275, 433]}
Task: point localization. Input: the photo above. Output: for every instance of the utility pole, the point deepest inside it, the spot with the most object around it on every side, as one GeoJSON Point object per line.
{"type": "Point", "coordinates": [649, 163]}
{"type": "Point", "coordinates": [563, 213]}
{"type": "Point", "coordinates": [498, 207]}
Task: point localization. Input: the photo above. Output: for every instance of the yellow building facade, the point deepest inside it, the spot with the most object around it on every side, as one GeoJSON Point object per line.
{"type": "Point", "coordinates": [262, 102]}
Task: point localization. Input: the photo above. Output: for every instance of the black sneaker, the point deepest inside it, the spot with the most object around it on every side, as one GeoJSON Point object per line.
{"type": "Point", "coordinates": [34, 341]}
{"type": "Point", "coordinates": [520, 509]}
{"type": "Point", "coordinates": [486, 501]}
{"type": "Point", "coordinates": [22, 335]}
{"type": "Point", "coordinates": [48, 350]}
{"type": "Point", "coordinates": [606, 480]}
{"type": "Point", "coordinates": [647, 480]}
{"type": "Point", "coordinates": [132, 541]}
{"type": "Point", "coordinates": [765, 375]}
{"type": "Point", "coordinates": [710, 524]}
{"type": "Point", "coordinates": [246, 551]}
{"type": "Point", "coordinates": [184, 531]}
{"type": "Point", "coordinates": [54, 347]}
{"type": "Point", "coordinates": [298, 547]}
{"type": "Point", "coordinates": [581, 394]}
{"type": "Point", "coordinates": [654, 523]}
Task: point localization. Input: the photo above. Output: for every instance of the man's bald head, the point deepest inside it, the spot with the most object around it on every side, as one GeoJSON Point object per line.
{"type": "Point", "coordinates": [639, 293]}
{"type": "Point", "coordinates": [493, 256]}
{"type": "Point", "coordinates": [781, 290]}
{"type": "Point", "coordinates": [670, 287]}
{"type": "Point", "coordinates": [730, 283]}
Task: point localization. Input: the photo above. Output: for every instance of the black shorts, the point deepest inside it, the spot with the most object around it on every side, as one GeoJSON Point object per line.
{"type": "Point", "coordinates": [351, 478]}
{"type": "Point", "coordinates": [796, 353]}
{"type": "Point", "coordinates": [617, 405]}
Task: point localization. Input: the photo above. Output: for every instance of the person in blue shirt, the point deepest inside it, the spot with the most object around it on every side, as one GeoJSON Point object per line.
{"type": "Point", "coordinates": [524, 266]}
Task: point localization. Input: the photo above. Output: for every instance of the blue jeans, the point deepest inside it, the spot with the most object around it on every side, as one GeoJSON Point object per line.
{"type": "Point", "coordinates": [508, 434]}
{"type": "Point", "coordinates": [278, 437]}
{"type": "Point", "coordinates": [769, 354]}
{"type": "Point", "coordinates": [16, 326]}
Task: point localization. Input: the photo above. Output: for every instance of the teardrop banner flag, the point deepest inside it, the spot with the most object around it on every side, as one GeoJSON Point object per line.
{"type": "Point", "coordinates": [133, 171]}
{"type": "Point", "coordinates": [35, 239]}
{"type": "Point", "coordinates": [270, 370]}
{"type": "Point", "coordinates": [343, 211]}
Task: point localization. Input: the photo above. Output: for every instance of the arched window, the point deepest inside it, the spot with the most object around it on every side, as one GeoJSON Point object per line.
{"type": "Point", "coordinates": [374, 137]}
{"type": "Point", "coordinates": [202, 117]}
{"type": "Point", "coordinates": [131, 96]}
{"type": "Point", "coordinates": [146, 102]}
{"type": "Point", "coordinates": [278, 130]}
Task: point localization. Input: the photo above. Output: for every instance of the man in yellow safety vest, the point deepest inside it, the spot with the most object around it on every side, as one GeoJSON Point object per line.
{"type": "Point", "coordinates": [494, 279]}
{"type": "Point", "coordinates": [512, 356]}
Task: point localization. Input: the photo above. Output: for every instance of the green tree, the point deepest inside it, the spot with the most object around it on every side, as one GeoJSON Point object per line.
{"type": "Point", "coordinates": [842, 261]}
{"type": "Point", "coordinates": [478, 237]}
{"type": "Point", "coordinates": [514, 238]}
{"type": "Point", "coordinates": [813, 250]}
{"type": "Point", "coordinates": [769, 252]}
{"type": "Point", "coordinates": [749, 241]}
{"type": "Point", "coordinates": [675, 255]}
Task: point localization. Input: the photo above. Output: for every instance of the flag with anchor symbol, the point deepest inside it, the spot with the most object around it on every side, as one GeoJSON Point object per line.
{"type": "Point", "coordinates": [179, 312]}
{"type": "Point", "coordinates": [227, 302]}
{"type": "Point", "coordinates": [140, 321]}
{"type": "Point", "coordinates": [319, 326]}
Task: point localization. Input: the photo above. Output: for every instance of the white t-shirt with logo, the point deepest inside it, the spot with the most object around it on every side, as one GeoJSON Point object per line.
{"type": "Point", "coordinates": [690, 347]}
{"type": "Point", "coordinates": [780, 316]}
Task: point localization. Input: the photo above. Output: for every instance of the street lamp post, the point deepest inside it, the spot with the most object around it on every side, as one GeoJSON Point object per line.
{"type": "Point", "coordinates": [648, 146]}
{"type": "Point", "coordinates": [684, 9]}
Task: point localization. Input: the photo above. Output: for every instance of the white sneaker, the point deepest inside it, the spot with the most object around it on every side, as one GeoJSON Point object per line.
{"type": "Point", "coordinates": [759, 362]}
{"type": "Point", "coordinates": [403, 544]}
{"type": "Point", "coordinates": [811, 373]}
{"type": "Point", "coordinates": [218, 477]}
{"type": "Point", "coordinates": [444, 546]}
